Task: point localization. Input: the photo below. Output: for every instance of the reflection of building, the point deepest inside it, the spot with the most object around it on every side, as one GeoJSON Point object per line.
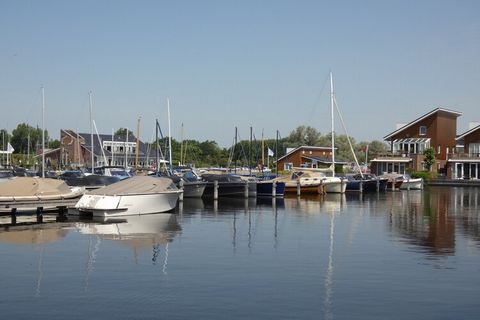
{"type": "Point", "coordinates": [76, 149]}
{"type": "Point", "coordinates": [307, 157]}
{"type": "Point", "coordinates": [427, 221]}
{"type": "Point", "coordinates": [465, 164]}
{"type": "Point", "coordinates": [436, 129]}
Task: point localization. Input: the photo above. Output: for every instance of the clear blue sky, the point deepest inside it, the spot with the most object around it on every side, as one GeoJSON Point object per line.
{"type": "Point", "coordinates": [238, 63]}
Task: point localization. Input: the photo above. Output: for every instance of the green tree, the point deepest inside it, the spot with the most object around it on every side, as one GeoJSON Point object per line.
{"type": "Point", "coordinates": [4, 138]}
{"type": "Point", "coordinates": [54, 144]}
{"type": "Point", "coordinates": [122, 132]}
{"type": "Point", "coordinates": [429, 158]}
{"type": "Point", "coordinates": [25, 138]}
{"type": "Point", "coordinates": [303, 136]}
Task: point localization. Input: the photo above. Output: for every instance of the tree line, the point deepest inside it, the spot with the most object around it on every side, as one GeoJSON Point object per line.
{"type": "Point", "coordinates": [26, 139]}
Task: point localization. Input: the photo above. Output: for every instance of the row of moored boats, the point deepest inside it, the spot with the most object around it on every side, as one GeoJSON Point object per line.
{"type": "Point", "coordinates": [116, 192]}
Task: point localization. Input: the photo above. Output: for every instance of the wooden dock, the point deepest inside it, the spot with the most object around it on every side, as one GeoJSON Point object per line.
{"type": "Point", "coordinates": [37, 208]}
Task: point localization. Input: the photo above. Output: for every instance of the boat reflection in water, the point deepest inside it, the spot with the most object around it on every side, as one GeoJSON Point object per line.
{"type": "Point", "coordinates": [137, 232]}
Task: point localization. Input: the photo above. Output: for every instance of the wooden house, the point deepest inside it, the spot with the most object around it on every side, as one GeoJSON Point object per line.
{"type": "Point", "coordinates": [465, 162]}
{"type": "Point", "coordinates": [307, 157]}
{"type": "Point", "coordinates": [108, 150]}
{"type": "Point", "coordinates": [436, 129]}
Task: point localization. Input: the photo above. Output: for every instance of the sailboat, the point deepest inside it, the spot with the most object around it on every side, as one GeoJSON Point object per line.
{"type": "Point", "coordinates": [333, 184]}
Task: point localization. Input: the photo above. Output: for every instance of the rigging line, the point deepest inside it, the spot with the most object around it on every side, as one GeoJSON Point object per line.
{"type": "Point", "coordinates": [316, 102]}
{"type": "Point", "coordinates": [348, 137]}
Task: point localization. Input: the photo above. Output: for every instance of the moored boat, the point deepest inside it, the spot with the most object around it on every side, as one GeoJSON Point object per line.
{"type": "Point", "coordinates": [366, 183]}
{"type": "Point", "coordinates": [133, 196]}
{"type": "Point", "coordinates": [229, 185]}
{"type": "Point", "coordinates": [38, 190]}
{"type": "Point", "coordinates": [409, 183]}
{"type": "Point", "coordinates": [265, 188]}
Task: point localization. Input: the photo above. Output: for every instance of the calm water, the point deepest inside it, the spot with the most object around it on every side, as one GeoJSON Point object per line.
{"type": "Point", "coordinates": [399, 255]}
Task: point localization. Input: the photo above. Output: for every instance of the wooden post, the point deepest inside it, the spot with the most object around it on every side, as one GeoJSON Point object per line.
{"type": "Point", "coordinates": [61, 214]}
{"type": "Point", "coordinates": [40, 215]}
{"type": "Point", "coordinates": [215, 190]}
{"type": "Point", "coordinates": [361, 186]}
{"type": "Point", "coordinates": [378, 185]}
{"type": "Point", "coordinates": [298, 188]}
{"type": "Point", "coordinates": [274, 189]}
{"type": "Point", "coordinates": [180, 198]}
{"type": "Point", "coordinates": [13, 215]}
{"type": "Point", "coordinates": [245, 190]}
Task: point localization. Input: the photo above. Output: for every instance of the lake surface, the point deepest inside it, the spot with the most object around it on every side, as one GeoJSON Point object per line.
{"type": "Point", "coordinates": [394, 255]}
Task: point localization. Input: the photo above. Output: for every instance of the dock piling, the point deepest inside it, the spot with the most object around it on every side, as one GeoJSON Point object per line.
{"type": "Point", "coordinates": [215, 190]}
{"type": "Point", "coordinates": [40, 215]}
{"type": "Point", "coordinates": [274, 189]}
{"type": "Point", "coordinates": [180, 198]}
{"type": "Point", "coordinates": [13, 215]}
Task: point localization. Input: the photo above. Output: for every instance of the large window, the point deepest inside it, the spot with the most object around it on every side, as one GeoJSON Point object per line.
{"type": "Point", "coordinates": [411, 145]}
{"type": "Point", "coordinates": [474, 148]}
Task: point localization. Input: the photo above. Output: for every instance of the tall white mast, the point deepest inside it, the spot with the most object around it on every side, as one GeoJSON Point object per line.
{"type": "Point", "coordinates": [333, 124]}
{"type": "Point", "coordinates": [43, 132]}
{"type": "Point", "coordinates": [169, 136]}
{"type": "Point", "coordinates": [91, 129]}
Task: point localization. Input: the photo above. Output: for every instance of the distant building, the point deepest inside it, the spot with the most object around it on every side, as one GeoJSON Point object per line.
{"type": "Point", "coordinates": [307, 157]}
{"type": "Point", "coordinates": [465, 163]}
{"type": "Point", "coordinates": [436, 129]}
{"type": "Point", "coordinates": [76, 150]}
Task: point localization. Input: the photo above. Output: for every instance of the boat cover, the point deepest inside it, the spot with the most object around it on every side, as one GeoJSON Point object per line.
{"type": "Point", "coordinates": [25, 187]}
{"type": "Point", "coordinates": [137, 185]}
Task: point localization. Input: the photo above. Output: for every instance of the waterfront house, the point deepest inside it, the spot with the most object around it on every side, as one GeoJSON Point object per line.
{"type": "Point", "coordinates": [465, 162]}
{"type": "Point", "coordinates": [108, 150]}
{"type": "Point", "coordinates": [435, 129]}
{"type": "Point", "coordinates": [307, 157]}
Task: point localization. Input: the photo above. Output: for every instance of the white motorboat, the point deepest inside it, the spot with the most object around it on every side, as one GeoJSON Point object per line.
{"type": "Point", "coordinates": [409, 183]}
{"type": "Point", "coordinates": [133, 196]}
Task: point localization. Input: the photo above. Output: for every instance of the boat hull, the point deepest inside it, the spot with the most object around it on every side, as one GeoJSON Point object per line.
{"type": "Point", "coordinates": [308, 189]}
{"type": "Point", "coordinates": [412, 184]}
{"type": "Point", "coordinates": [265, 189]}
{"type": "Point", "coordinates": [193, 189]}
{"type": "Point", "coordinates": [125, 205]}
{"type": "Point", "coordinates": [335, 186]}
{"type": "Point", "coordinates": [225, 189]}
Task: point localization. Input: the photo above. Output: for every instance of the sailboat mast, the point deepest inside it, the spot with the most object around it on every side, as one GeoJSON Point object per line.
{"type": "Point", "coordinates": [156, 145]}
{"type": "Point", "coordinates": [276, 153]}
{"type": "Point", "coordinates": [250, 152]}
{"type": "Point", "coordinates": [263, 151]}
{"type": "Point", "coordinates": [181, 149]}
{"type": "Point", "coordinates": [43, 132]}
{"type": "Point", "coordinates": [113, 147]}
{"type": "Point", "coordinates": [169, 137]}
{"type": "Point", "coordinates": [91, 130]}
{"type": "Point", "coordinates": [333, 124]}
{"type": "Point", "coordinates": [126, 143]}
{"type": "Point", "coordinates": [137, 144]}
{"type": "Point", "coordinates": [234, 145]}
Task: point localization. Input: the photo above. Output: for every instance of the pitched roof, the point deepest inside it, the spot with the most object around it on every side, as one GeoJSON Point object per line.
{"type": "Point", "coordinates": [408, 125]}
{"type": "Point", "coordinates": [461, 136]}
